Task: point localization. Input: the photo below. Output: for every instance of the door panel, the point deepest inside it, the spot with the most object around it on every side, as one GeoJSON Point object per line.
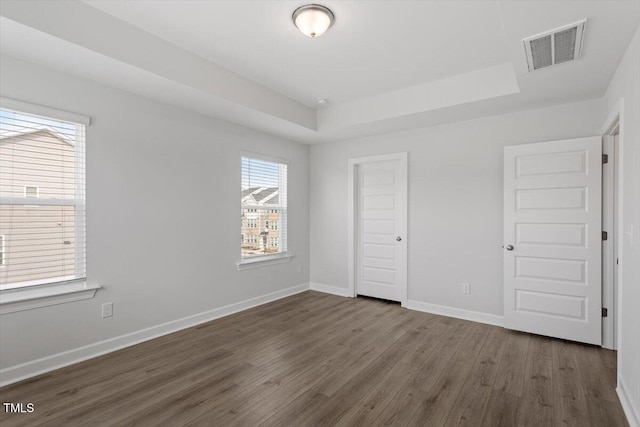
{"type": "Point", "coordinates": [555, 270]}
{"type": "Point", "coordinates": [551, 198]}
{"type": "Point", "coordinates": [551, 234]}
{"type": "Point", "coordinates": [380, 220]}
{"type": "Point", "coordinates": [561, 306]}
{"type": "Point", "coordinates": [552, 221]}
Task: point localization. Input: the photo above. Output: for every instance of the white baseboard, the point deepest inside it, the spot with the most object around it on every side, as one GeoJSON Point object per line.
{"type": "Point", "coordinates": [334, 290]}
{"type": "Point", "coordinates": [630, 410]}
{"type": "Point", "coordinates": [459, 313]}
{"type": "Point", "coordinates": [30, 369]}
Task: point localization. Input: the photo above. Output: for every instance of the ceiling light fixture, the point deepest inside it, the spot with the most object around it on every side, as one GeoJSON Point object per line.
{"type": "Point", "coordinates": [312, 19]}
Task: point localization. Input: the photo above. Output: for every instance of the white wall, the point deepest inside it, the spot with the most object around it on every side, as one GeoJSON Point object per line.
{"type": "Point", "coordinates": [626, 84]}
{"type": "Point", "coordinates": [163, 217]}
{"type": "Point", "coordinates": [455, 201]}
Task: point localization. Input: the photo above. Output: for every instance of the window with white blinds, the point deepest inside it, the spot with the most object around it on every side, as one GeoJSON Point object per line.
{"type": "Point", "coordinates": [264, 207]}
{"type": "Point", "coordinates": [42, 199]}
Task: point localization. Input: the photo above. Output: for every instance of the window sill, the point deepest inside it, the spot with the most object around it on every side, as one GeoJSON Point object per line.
{"type": "Point", "coordinates": [263, 261]}
{"type": "Point", "coordinates": [14, 300]}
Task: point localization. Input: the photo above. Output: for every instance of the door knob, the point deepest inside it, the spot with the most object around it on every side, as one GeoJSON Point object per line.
{"type": "Point", "coordinates": [398, 238]}
{"type": "Point", "coordinates": [509, 247]}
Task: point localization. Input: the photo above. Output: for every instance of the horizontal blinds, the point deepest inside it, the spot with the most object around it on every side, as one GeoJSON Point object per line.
{"type": "Point", "coordinates": [42, 200]}
{"type": "Point", "coordinates": [264, 207]}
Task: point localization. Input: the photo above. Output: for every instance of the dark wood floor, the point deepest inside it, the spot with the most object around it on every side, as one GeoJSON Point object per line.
{"type": "Point", "coordinates": [316, 359]}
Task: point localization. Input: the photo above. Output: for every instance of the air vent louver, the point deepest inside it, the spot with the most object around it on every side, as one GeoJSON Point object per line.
{"type": "Point", "coordinates": [555, 46]}
{"type": "Point", "coordinates": [541, 52]}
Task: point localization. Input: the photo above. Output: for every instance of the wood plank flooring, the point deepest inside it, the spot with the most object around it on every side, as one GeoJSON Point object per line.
{"type": "Point", "coordinates": [321, 360]}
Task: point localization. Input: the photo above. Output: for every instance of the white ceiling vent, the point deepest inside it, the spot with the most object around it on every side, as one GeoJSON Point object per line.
{"type": "Point", "coordinates": [554, 47]}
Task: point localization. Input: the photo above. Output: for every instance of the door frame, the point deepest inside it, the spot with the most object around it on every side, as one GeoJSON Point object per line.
{"type": "Point", "coordinates": [613, 123]}
{"type": "Point", "coordinates": [352, 229]}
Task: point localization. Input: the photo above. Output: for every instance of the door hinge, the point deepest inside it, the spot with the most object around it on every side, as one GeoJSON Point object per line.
{"type": "Point", "coordinates": [605, 235]}
{"type": "Point", "coordinates": [605, 312]}
{"type": "Point", "coordinates": [605, 158]}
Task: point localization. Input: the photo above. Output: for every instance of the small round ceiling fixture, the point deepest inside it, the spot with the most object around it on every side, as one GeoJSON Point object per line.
{"type": "Point", "coordinates": [313, 19]}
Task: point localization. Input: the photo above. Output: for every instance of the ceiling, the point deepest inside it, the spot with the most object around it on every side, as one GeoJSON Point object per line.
{"type": "Point", "coordinates": [359, 57]}
{"type": "Point", "coordinates": [383, 66]}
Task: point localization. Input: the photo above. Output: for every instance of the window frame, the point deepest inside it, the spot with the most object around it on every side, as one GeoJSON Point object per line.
{"type": "Point", "coordinates": [36, 295]}
{"type": "Point", "coordinates": [266, 259]}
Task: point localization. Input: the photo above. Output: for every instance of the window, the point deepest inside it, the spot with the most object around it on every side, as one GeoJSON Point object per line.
{"type": "Point", "coordinates": [264, 205]}
{"type": "Point", "coordinates": [251, 239]}
{"type": "Point", "coordinates": [43, 241]}
{"type": "Point", "coordinates": [31, 191]}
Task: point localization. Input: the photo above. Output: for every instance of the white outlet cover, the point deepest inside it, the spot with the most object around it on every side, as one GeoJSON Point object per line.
{"type": "Point", "coordinates": [107, 309]}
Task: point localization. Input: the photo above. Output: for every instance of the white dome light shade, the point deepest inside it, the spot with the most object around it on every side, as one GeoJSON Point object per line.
{"type": "Point", "coordinates": [313, 20]}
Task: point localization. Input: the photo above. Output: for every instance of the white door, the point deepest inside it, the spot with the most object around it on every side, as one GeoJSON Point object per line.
{"type": "Point", "coordinates": [380, 229]}
{"type": "Point", "coordinates": [553, 238]}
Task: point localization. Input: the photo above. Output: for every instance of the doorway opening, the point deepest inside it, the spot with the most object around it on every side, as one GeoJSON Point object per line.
{"type": "Point", "coordinates": [377, 227]}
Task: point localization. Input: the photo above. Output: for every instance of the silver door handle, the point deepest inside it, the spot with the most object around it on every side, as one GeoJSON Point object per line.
{"type": "Point", "coordinates": [398, 238]}
{"type": "Point", "coordinates": [509, 247]}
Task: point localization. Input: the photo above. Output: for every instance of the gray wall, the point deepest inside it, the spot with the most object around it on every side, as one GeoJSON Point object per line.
{"type": "Point", "coordinates": [455, 200]}
{"type": "Point", "coordinates": [163, 215]}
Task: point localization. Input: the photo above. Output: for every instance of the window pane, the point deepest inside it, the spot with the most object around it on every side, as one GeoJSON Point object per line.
{"type": "Point", "coordinates": [41, 200]}
{"type": "Point", "coordinates": [264, 201]}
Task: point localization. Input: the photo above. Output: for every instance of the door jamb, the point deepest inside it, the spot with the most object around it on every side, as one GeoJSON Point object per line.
{"type": "Point", "coordinates": [353, 210]}
{"type": "Point", "coordinates": [609, 210]}
{"type": "Point", "coordinates": [614, 121]}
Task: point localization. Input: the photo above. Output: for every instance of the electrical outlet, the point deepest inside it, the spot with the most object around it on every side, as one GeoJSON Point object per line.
{"type": "Point", "coordinates": [299, 268]}
{"type": "Point", "coordinates": [107, 309]}
{"type": "Point", "coordinates": [466, 288]}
